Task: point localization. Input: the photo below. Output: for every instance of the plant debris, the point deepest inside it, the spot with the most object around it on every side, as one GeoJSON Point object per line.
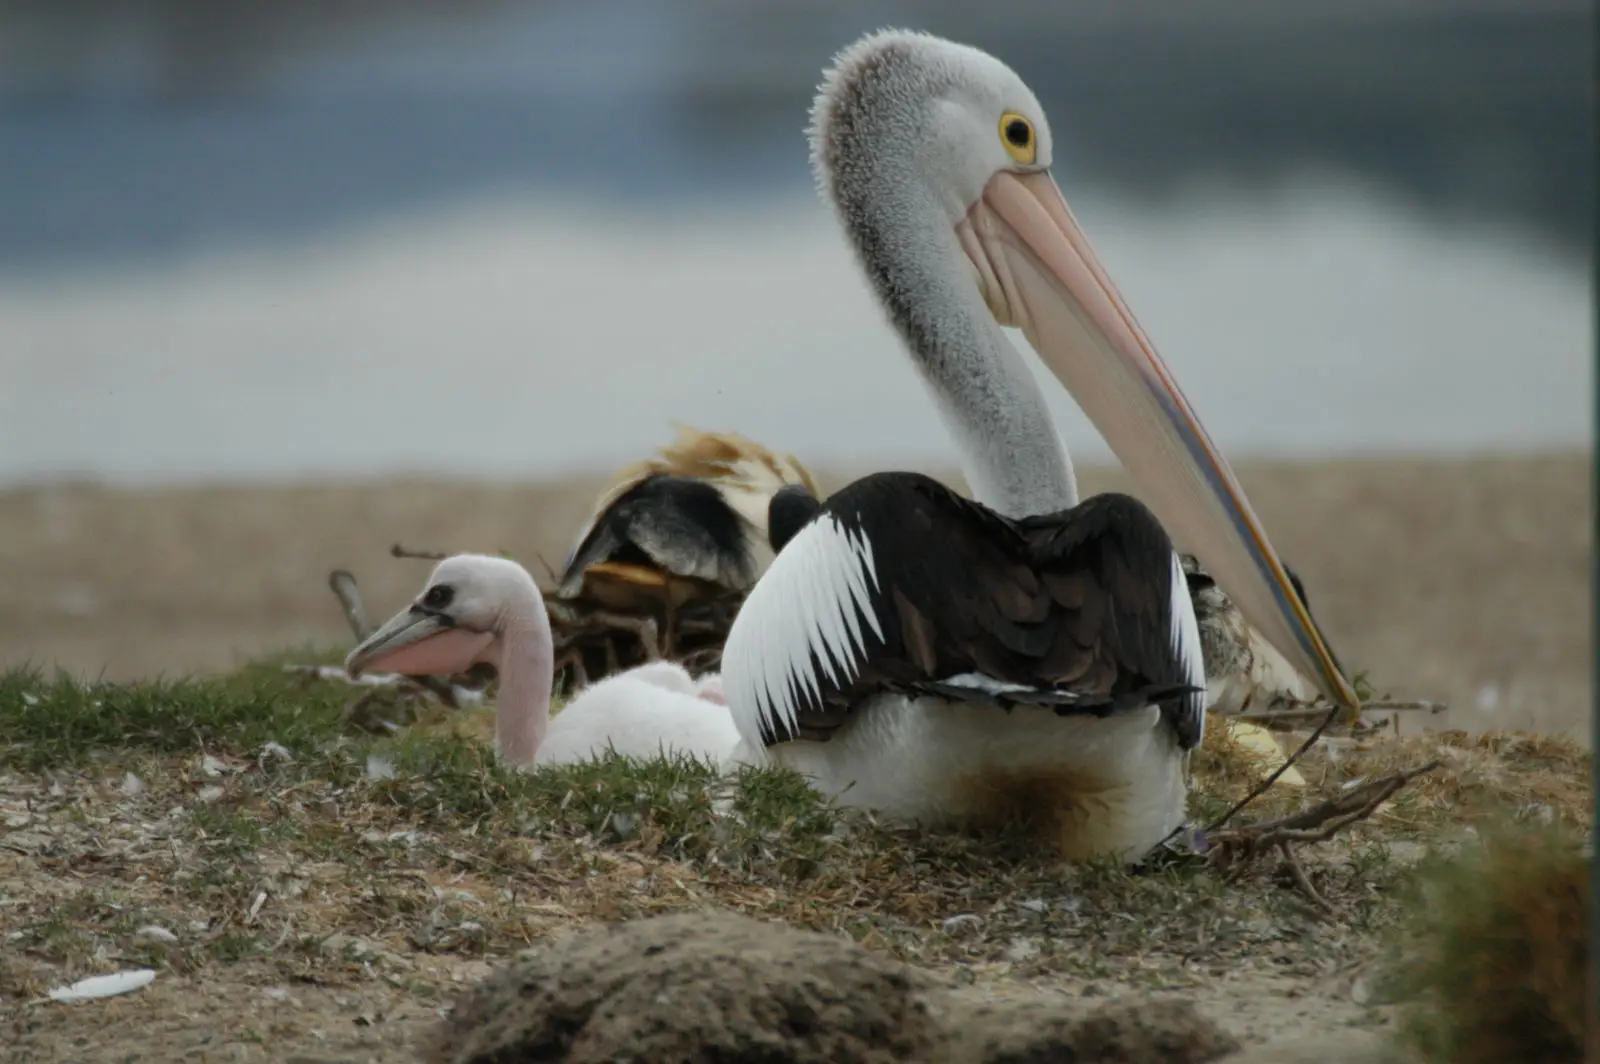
{"type": "Point", "coordinates": [1227, 849]}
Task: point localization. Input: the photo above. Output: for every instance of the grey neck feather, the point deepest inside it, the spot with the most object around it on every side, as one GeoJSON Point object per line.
{"type": "Point", "coordinates": [1011, 454]}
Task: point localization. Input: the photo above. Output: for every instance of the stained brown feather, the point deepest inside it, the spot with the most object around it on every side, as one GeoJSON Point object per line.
{"type": "Point", "coordinates": [707, 456]}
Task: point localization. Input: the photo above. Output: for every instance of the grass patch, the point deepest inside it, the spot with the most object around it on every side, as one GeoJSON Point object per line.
{"type": "Point", "coordinates": [1498, 965]}
{"type": "Point", "coordinates": [237, 823]}
{"type": "Point", "coordinates": [60, 721]}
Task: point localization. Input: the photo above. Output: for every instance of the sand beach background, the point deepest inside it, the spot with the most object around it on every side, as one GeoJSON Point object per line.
{"type": "Point", "coordinates": [1462, 580]}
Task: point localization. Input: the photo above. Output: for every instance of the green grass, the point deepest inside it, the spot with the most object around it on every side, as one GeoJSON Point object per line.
{"type": "Point", "coordinates": [58, 721]}
{"type": "Point", "coordinates": [439, 782]}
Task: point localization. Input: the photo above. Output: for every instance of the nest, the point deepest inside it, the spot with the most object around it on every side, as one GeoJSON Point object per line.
{"type": "Point", "coordinates": [626, 615]}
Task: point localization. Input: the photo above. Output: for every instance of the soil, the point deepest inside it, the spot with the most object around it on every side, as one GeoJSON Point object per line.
{"type": "Point", "coordinates": [721, 987]}
{"type": "Point", "coordinates": [797, 997]}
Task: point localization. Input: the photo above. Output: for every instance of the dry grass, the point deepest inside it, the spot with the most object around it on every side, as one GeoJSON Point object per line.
{"type": "Point", "coordinates": [240, 817]}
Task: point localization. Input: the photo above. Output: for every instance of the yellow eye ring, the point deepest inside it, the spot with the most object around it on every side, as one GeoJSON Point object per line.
{"type": "Point", "coordinates": [1016, 134]}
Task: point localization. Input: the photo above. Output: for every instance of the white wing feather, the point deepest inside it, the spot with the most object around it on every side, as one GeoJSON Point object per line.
{"type": "Point", "coordinates": [812, 601]}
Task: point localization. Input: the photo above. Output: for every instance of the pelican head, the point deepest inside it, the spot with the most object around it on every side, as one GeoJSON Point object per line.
{"type": "Point", "coordinates": [937, 157]}
{"type": "Point", "coordinates": [453, 624]}
{"type": "Point", "coordinates": [475, 608]}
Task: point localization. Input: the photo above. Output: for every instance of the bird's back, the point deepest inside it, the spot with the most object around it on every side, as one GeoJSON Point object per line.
{"type": "Point", "coordinates": [638, 718]}
{"type": "Point", "coordinates": [698, 509]}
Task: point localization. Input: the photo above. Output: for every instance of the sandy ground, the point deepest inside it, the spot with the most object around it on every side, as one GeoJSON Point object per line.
{"type": "Point", "coordinates": [1465, 581]}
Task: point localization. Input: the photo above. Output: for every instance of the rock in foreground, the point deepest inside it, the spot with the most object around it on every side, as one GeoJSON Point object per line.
{"type": "Point", "coordinates": [718, 987]}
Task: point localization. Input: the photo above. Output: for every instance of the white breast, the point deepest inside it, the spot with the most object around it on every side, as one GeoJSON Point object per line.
{"type": "Point", "coordinates": [1102, 786]}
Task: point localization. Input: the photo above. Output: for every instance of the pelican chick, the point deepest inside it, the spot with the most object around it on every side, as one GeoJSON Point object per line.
{"type": "Point", "coordinates": [481, 609]}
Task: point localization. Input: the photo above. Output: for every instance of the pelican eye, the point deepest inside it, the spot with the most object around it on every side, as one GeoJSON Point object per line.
{"type": "Point", "coordinates": [438, 596]}
{"type": "Point", "coordinates": [1016, 133]}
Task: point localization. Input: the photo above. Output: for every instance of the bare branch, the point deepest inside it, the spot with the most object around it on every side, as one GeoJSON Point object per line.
{"type": "Point", "coordinates": [548, 571]}
{"type": "Point", "coordinates": [397, 551]}
{"type": "Point", "coordinates": [642, 627]}
{"type": "Point", "coordinates": [1385, 705]}
{"type": "Point", "coordinates": [343, 584]}
{"type": "Point", "coordinates": [1302, 880]}
{"type": "Point", "coordinates": [1313, 710]}
{"type": "Point", "coordinates": [1229, 849]}
{"type": "Point", "coordinates": [1316, 824]}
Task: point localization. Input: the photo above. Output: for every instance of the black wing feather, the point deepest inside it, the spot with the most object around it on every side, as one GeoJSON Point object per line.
{"type": "Point", "coordinates": [1073, 608]}
{"type": "Point", "coordinates": [681, 525]}
{"type": "Point", "coordinates": [790, 509]}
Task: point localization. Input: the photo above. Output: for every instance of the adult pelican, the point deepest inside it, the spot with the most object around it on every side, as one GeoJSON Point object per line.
{"type": "Point", "coordinates": [1027, 654]}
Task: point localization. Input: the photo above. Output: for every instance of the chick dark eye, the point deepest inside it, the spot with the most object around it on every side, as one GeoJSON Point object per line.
{"type": "Point", "coordinates": [1018, 133]}
{"type": "Point", "coordinates": [438, 597]}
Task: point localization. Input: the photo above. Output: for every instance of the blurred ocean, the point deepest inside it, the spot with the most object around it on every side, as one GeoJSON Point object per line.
{"type": "Point", "coordinates": [524, 240]}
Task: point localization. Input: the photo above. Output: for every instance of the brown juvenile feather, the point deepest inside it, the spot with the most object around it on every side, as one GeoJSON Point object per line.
{"type": "Point", "coordinates": [706, 456]}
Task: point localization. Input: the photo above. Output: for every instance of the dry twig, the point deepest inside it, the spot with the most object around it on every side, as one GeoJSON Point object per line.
{"type": "Point", "coordinates": [343, 584]}
{"type": "Point", "coordinates": [1312, 710]}
{"type": "Point", "coordinates": [397, 551]}
{"type": "Point", "coordinates": [1321, 822]}
{"type": "Point", "coordinates": [1262, 787]}
{"type": "Point", "coordinates": [1231, 848]}
{"type": "Point", "coordinates": [549, 572]}
{"type": "Point", "coordinates": [1302, 880]}
{"type": "Point", "coordinates": [1318, 823]}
